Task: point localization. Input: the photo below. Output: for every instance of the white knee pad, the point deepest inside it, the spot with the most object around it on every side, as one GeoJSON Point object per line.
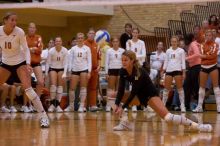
{"type": "Point", "coordinates": [31, 93]}
{"type": "Point", "coordinates": [202, 92]}
{"type": "Point", "coordinates": [60, 89]}
{"type": "Point", "coordinates": [83, 92]}
{"type": "Point", "coordinates": [217, 95]}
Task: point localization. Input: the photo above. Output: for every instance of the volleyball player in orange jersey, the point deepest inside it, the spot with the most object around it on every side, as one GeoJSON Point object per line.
{"type": "Point", "coordinates": [208, 56]}
{"type": "Point", "coordinates": [35, 45]}
{"type": "Point", "coordinates": [93, 81]}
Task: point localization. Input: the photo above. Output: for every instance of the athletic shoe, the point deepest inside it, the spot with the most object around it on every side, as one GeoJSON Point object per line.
{"type": "Point", "coordinates": [198, 109]}
{"type": "Point", "coordinates": [59, 109]}
{"type": "Point", "coordinates": [5, 109]}
{"type": "Point", "coordinates": [32, 109]}
{"type": "Point", "coordinates": [205, 128]}
{"type": "Point", "coordinates": [149, 109]}
{"type": "Point", "coordinates": [123, 126]}
{"type": "Point", "coordinates": [125, 110]}
{"type": "Point", "coordinates": [13, 109]}
{"type": "Point", "coordinates": [70, 108]}
{"type": "Point", "coordinates": [134, 108]}
{"type": "Point", "coordinates": [44, 121]}
{"type": "Point", "coordinates": [51, 108]}
{"type": "Point", "coordinates": [183, 108]}
{"type": "Point", "coordinates": [25, 109]}
{"type": "Point", "coordinates": [82, 109]}
{"type": "Point", "coordinates": [93, 108]}
{"type": "Point", "coordinates": [108, 108]}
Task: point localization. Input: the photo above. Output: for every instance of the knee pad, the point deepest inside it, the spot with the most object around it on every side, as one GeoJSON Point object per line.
{"type": "Point", "coordinates": [60, 89]}
{"type": "Point", "coordinates": [32, 95]}
{"type": "Point", "coordinates": [165, 96]}
{"type": "Point", "coordinates": [83, 92]}
{"type": "Point", "coordinates": [216, 91]}
{"type": "Point", "coordinates": [53, 89]}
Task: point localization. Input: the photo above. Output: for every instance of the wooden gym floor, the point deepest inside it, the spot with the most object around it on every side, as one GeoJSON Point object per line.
{"type": "Point", "coordinates": [95, 129]}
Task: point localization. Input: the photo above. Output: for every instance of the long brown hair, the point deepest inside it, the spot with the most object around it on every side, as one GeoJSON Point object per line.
{"type": "Point", "coordinates": [132, 56]}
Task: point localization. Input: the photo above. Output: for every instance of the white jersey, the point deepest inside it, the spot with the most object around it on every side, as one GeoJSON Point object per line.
{"type": "Point", "coordinates": [14, 47]}
{"type": "Point", "coordinates": [113, 59]}
{"type": "Point", "coordinates": [217, 41]}
{"type": "Point", "coordinates": [157, 60]}
{"type": "Point", "coordinates": [57, 60]}
{"type": "Point", "coordinates": [175, 60]}
{"type": "Point", "coordinates": [80, 58]}
{"type": "Point", "coordinates": [44, 56]}
{"type": "Point", "coordinates": [139, 49]}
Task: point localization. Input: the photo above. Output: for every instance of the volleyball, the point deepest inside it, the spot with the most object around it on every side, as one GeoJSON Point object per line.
{"type": "Point", "coordinates": [102, 35]}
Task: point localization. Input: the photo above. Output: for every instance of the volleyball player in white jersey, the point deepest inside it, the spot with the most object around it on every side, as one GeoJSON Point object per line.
{"type": "Point", "coordinates": [80, 62]}
{"type": "Point", "coordinates": [138, 47]}
{"type": "Point", "coordinates": [112, 66]}
{"type": "Point", "coordinates": [16, 58]}
{"type": "Point", "coordinates": [57, 66]}
{"type": "Point", "coordinates": [174, 68]}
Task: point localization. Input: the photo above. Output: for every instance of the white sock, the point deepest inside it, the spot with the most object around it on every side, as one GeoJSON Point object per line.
{"type": "Point", "coordinates": [177, 119]}
{"type": "Point", "coordinates": [181, 96]}
{"type": "Point", "coordinates": [217, 95]}
{"type": "Point", "coordinates": [165, 96]}
{"type": "Point", "coordinates": [201, 96]}
{"type": "Point", "coordinates": [32, 95]}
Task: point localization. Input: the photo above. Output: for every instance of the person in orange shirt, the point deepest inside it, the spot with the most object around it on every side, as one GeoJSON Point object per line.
{"type": "Point", "coordinates": [35, 45]}
{"type": "Point", "coordinates": [208, 56]}
{"type": "Point", "coordinates": [93, 81]}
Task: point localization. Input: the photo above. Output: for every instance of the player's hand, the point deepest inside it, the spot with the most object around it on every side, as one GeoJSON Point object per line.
{"type": "Point", "coordinates": [118, 110]}
{"type": "Point", "coordinates": [64, 75]}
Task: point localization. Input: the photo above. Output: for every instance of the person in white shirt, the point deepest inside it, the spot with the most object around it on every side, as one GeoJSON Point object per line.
{"type": "Point", "coordinates": [44, 56]}
{"type": "Point", "coordinates": [80, 63]}
{"type": "Point", "coordinates": [174, 67]}
{"type": "Point", "coordinates": [112, 66]}
{"type": "Point", "coordinates": [158, 57]}
{"type": "Point", "coordinates": [16, 58]}
{"type": "Point", "coordinates": [56, 65]}
{"type": "Point", "coordinates": [138, 47]}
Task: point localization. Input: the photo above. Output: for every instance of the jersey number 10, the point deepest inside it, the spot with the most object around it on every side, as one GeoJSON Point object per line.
{"type": "Point", "coordinates": [7, 45]}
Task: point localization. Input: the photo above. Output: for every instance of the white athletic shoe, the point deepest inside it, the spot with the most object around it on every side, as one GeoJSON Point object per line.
{"type": "Point", "coordinates": [5, 109]}
{"type": "Point", "coordinates": [205, 128]}
{"type": "Point", "coordinates": [51, 108]}
{"type": "Point", "coordinates": [125, 110]}
{"type": "Point", "coordinates": [44, 121]}
{"type": "Point", "coordinates": [25, 109]}
{"type": "Point", "coordinates": [93, 108]}
{"type": "Point", "coordinates": [134, 108]}
{"type": "Point", "coordinates": [13, 109]}
{"type": "Point", "coordinates": [108, 108]}
{"type": "Point", "coordinates": [32, 109]}
{"type": "Point", "coordinates": [123, 126]}
{"type": "Point", "coordinates": [82, 109]}
{"type": "Point", "coordinates": [183, 108]}
{"type": "Point", "coordinates": [59, 109]}
{"type": "Point", "coordinates": [198, 109]}
{"type": "Point", "coordinates": [70, 108]}
{"type": "Point", "coordinates": [148, 109]}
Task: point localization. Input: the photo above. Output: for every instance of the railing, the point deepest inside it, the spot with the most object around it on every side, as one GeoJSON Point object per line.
{"type": "Point", "coordinates": [190, 20]}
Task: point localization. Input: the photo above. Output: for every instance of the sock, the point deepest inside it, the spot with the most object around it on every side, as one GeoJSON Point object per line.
{"type": "Point", "coordinates": [217, 95]}
{"type": "Point", "coordinates": [177, 119]}
{"type": "Point", "coordinates": [32, 95]}
{"type": "Point", "coordinates": [181, 96]}
{"type": "Point", "coordinates": [201, 96]}
{"type": "Point", "coordinates": [83, 93]}
{"type": "Point", "coordinates": [165, 96]}
{"type": "Point", "coordinates": [71, 97]}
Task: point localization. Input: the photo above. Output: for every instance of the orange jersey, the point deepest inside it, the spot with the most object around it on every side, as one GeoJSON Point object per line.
{"type": "Point", "coordinates": [95, 53]}
{"type": "Point", "coordinates": [35, 41]}
{"type": "Point", "coordinates": [210, 50]}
